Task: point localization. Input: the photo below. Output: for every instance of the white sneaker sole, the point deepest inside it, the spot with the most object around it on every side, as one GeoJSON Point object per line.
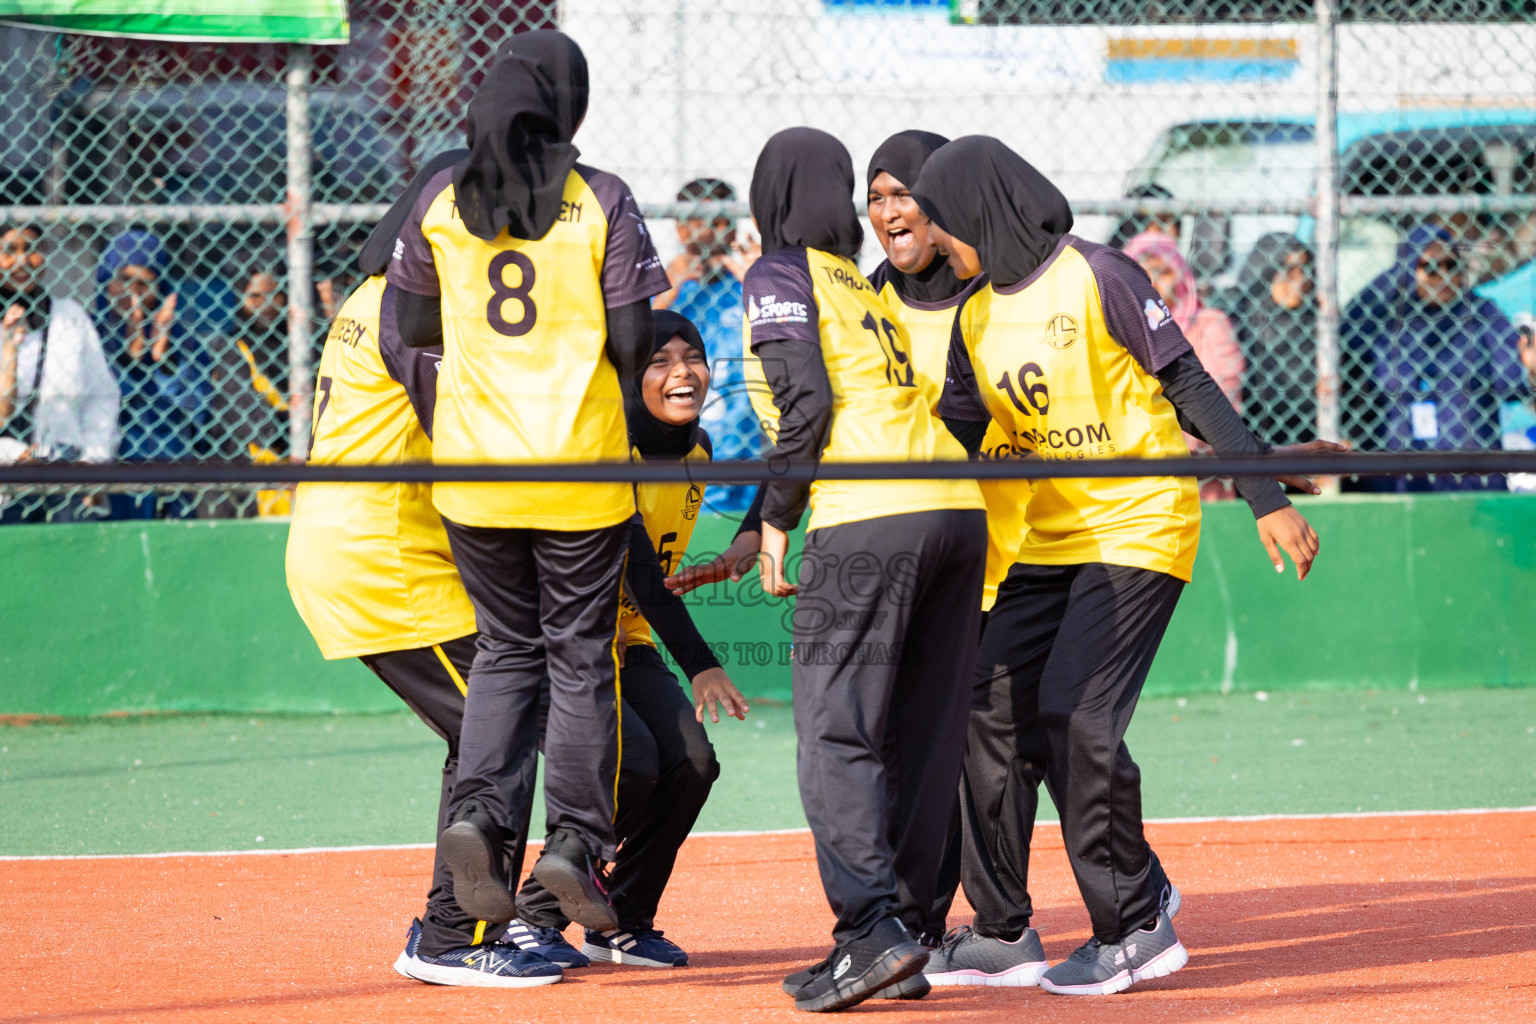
{"type": "Point", "coordinates": [465, 977]}
{"type": "Point", "coordinates": [605, 954]}
{"type": "Point", "coordinates": [1022, 976]}
{"type": "Point", "coordinates": [1160, 966]}
{"type": "Point", "coordinates": [403, 963]}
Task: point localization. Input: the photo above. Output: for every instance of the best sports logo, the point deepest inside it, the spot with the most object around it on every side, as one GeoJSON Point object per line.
{"type": "Point", "coordinates": [771, 311]}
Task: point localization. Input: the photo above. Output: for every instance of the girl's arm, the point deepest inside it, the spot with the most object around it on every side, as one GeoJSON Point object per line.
{"type": "Point", "coordinates": [669, 617]}
{"type": "Point", "coordinates": [802, 393]}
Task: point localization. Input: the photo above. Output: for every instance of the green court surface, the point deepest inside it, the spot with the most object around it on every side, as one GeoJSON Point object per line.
{"type": "Point", "coordinates": [220, 782]}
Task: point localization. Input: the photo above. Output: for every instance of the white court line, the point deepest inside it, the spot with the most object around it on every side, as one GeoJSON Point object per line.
{"type": "Point", "coordinates": [764, 832]}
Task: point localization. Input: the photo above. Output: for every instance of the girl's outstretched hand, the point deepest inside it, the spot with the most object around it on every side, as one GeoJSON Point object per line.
{"type": "Point", "coordinates": [714, 691]}
{"type": "Point", "coordinates": [1288, 530]}
{"type": "Point", "coordinates": [1317, 447]}
{"type": "Point", "coordinates": [733, 564]}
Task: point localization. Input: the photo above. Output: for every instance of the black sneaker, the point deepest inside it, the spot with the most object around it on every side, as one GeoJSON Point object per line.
{"type": "Point", "coordinates": [915, 987]}
{"type": "Point", "coordinates": [857, 970]}
{"type": "Point", "coordinates": [572, 873]}
{"type": "Point", "coordinates": [1100, 968]}
{"type": "Point", "coordinates": [471, 848]}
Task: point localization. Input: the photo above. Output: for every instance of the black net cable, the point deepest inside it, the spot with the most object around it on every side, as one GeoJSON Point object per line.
{"type": "Point", "coordinates": [751, 471]}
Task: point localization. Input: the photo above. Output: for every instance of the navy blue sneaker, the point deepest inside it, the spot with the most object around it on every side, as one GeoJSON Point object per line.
{"type": "Point", "coordinates": [492, 966]}
{"type": "Point", "coordinates": [408, 955]}
{"type": "Point", "coordinates": [547, 942]}
{"type": "Point", "coordinates": [642, 948]}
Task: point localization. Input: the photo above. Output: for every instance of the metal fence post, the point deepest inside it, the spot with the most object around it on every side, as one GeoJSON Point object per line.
{"type": "Point", "coordinates": [1326, 262]}
{"type": "Point", "coordinates": [301, 277]}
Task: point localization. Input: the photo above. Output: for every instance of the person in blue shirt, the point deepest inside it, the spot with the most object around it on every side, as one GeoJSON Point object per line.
{"type": "Point", "coordinates": [706, 288]}
{"type": "Point", "coordinates": [1426, 362]}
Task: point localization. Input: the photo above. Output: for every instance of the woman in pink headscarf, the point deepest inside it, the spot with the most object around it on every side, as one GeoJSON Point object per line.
{"type": "Point", "coordinates": [1208, 330]}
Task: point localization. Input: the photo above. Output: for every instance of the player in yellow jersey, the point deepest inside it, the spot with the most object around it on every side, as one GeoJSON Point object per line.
{"type": "Point", "coordinates": [663, 408]}
{"type": "Point", "coordinates": [923, 294]}
{"type": "Point", "coordinates": [370, 573]}
{"type": "Point", "coordinates": [1075, 357]}
{"type": "Point", "coordinates": [890, 585]}
{"type": "Point", "coordinates": [534, 273]}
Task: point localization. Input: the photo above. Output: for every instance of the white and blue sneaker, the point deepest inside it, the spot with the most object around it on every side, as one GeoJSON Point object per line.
{"type": "Point", "coordinates": [496, 965]}
{"type": "Point", "coordinates": [408, 955]}
{"type": "Point", "coordinates": [647, 948]}
{"type": "Point", "coordinates": [547, 942]}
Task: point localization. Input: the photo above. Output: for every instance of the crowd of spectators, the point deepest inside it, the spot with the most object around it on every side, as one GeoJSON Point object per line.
{"type": "Point", "coordinates": [1427, 359]}
{"type": "Point", "coordinates": [157, 367]}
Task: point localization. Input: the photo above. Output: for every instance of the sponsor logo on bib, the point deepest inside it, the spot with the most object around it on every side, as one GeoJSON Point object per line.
{"type": "Point", "coordinates": [1061, 331]}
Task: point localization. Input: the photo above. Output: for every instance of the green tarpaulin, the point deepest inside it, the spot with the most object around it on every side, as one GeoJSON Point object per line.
{"type": "Point", "coordinates": [235, 21]}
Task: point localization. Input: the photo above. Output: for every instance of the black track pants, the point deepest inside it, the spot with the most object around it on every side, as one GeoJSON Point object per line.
{"type": "Point", "coordinates": [1065, 654]}
{"type": "Point", "coordinates": [885, 644]}
{"type": "Point", "coordinates": [666, 769]}
{"type": "Point", "coordinates": [430, 687]}
{"type": "Point", "coordinates": [546, 604]}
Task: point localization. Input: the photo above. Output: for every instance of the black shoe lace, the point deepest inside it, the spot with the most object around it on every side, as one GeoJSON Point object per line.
{"type": "Point", "coordinates": [958, 934]}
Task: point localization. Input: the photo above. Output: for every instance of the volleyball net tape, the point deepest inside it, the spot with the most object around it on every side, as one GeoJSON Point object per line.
{"type": "Point", "coordinates": [1350, 464]}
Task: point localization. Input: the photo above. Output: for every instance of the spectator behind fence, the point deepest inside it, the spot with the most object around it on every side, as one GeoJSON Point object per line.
{"type": "Point", "coordinates": [158, 367]}
{"type": "Point", "coordinates": [247, 412]}
{"type": "Point", "coordinates": [1274, 311]}
{"type": "Point", "coordinates": [706, 288]}
{"type": "Point", "coordinates": [1425, 363]}
{"type": "Point", "coordinates": [1169, 224]}
{"type": "Point", "coordinates": [1208, 330]}
{"type": "Point", "coordinates": [58, 398]}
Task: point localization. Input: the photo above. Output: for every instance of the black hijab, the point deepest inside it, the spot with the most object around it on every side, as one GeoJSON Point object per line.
{"type": "Point", "coordinates": [380, 247]}
{"type": "Point", "coordinates": [521, 122]}
{"type": "Point", "coordinates": [989, 197]}
{"type": "Point", "coordinates": [802, 194]}
{"type": "Point", "coordinates": [902, 157]}
{"type": "Point", "coordinates": [647, 433]}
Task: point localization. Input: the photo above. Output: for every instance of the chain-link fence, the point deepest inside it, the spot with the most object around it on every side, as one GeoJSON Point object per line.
{"type": "Point", "coordinates": [1338, 198]}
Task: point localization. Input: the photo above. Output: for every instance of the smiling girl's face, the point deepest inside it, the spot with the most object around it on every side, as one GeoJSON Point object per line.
{"type": "Point", "coordinates": [900, 225]}
{"type": "Point", "coordinates": [675, 383]}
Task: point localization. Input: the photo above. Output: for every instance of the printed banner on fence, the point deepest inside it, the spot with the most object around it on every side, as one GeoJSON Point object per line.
{"type": "Point", "coordinates": [234, 21]}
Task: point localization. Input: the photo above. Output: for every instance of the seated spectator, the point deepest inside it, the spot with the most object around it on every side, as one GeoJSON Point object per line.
{"type": "Point", "coordinates": [336, 274]}
{"type": "Point", "coordinates": [1517, 420]}
{"type": "Point", "coordinates": [246, 416]}
{"type": "Point", "coordinates": [1425, 363]}
{"type": "Point", "coordinates": [706, 288]}
{"type": "Point", "coordinates": [58, 398]}
{"type": "Point", "coordinates": [1274, 311]}
{"type": "Point", "coordinates": [1208, 330]}
{"type": "Point", "coordinates": [1137, 223]}
{"type": "Point", "coordinates": [156, 363]}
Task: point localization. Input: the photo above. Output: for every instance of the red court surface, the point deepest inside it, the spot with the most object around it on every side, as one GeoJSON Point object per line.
{"type": "Point", "coordinates": [1392, 918]}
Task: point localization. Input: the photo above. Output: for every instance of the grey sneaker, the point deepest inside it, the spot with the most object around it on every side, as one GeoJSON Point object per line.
{"type": "Point", "coordinates": [970, 959]}
{"type": "Point", "coordinates": [1099, 968]}
{"type": "Point", "coordinates": [1170, 902]}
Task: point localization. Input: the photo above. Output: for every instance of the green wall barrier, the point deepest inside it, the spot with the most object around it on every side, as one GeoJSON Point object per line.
{"type": "Point", "coordinates": [1433, 591]}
